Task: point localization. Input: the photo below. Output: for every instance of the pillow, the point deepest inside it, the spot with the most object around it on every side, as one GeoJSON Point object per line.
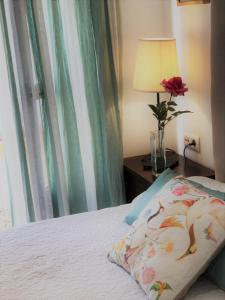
{"type": "Point", "coordinates": [146, 197]}
{"type": "Point", "coordinates": [173, 241]}
{"type": "Point", "coordinates": [215, 193]}
{"type": "Point", "coordinates": [216, 270]}
{"type": "Point", "coordinates": [136, 200]}
{"type": "Point", "coordinates": [208, 182]}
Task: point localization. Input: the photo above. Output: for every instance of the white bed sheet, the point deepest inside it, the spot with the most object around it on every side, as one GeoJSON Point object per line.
{"type": "Point", "coordinates": [66, 259]}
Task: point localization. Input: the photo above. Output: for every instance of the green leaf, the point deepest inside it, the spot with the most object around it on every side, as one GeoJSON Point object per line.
{"type": "Point", "coordinates": [166, 286]}
{"type": "Point", "coordinates": [154, 109]}
{"type": "Point", "coordinates": [164, 116]}
{"type": "Point", "coordinates": [155, 287]}
{"type": "Point", "coordinates": [185, 111]}
{"type": "Point", "coordinates": [177, 113]}
{"type": "Point", "coordinates": [171, 108]}
{"type": "Point", "coordinates": [170, 118]}
{"type": "Point", "coordinates": [172, 103]}
{"type": "Point", "coordinates": [162, 104]}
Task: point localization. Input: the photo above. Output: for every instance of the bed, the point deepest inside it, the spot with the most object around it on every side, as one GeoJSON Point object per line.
{"type": "Point", "coordinates": [66, 259]}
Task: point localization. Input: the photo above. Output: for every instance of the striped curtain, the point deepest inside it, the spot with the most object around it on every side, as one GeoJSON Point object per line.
{"type": "Point", "coordinates": [101, 91]}
{"type": "Point", "coordinates": [64, 88]}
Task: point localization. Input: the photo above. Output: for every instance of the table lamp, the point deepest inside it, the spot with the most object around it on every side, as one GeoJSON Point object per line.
{"type": "Point", "coordinates": [156, 60]}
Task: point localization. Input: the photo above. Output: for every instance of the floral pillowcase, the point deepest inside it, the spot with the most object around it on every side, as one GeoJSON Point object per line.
{"type": "Point", "coordinates": [173, 240]}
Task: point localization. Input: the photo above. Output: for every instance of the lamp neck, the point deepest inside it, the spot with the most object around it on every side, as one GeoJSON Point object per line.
{"type": "Point", "coordinates": [158, 98]}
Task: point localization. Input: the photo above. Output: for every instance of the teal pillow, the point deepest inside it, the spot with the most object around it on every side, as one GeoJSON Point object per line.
{"type": "Point", "coordinates": [147, 196]}
{"type": "Point", "coordinates": [216, 270]}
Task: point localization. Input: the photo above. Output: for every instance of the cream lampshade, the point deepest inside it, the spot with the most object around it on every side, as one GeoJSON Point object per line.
{"type": "Point", "coordinates": [156, 60]}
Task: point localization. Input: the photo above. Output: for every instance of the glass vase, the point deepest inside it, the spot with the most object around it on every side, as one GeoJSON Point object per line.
{"type": "Point", "coordinates": [158, 154]}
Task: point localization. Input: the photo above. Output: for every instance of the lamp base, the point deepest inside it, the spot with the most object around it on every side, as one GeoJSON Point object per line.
{"type": "Point", "coordinates": [171, 160]}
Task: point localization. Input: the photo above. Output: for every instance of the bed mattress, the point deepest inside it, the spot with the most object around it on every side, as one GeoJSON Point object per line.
{"type": "Point", "coordinates": [66, 259]}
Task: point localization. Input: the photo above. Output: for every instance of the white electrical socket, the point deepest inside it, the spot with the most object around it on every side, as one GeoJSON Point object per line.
{"type": "Point", "coordinates": [189, 138]}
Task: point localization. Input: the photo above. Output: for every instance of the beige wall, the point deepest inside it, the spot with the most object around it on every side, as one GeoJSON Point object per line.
{"type": "Point", "coordinates": [191, 27]}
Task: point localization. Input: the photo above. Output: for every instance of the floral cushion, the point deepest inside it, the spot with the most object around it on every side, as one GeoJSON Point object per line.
{"type": "Point", "coordinates": [173, 241]}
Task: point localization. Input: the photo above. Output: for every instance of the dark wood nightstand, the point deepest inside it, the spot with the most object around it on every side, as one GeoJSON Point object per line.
{"type": "Point", "coordinates": [137, 180]}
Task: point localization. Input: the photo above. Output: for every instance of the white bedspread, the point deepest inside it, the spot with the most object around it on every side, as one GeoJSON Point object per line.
{"type": "Point", "coordinates": [66, 259]}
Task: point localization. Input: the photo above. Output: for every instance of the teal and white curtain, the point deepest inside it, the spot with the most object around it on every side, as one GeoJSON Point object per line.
{"type": "Point", "coordinates": [59, 113]}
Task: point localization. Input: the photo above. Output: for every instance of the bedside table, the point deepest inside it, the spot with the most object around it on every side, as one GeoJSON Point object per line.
{"type": "Point", "coordinates": [137, 180]}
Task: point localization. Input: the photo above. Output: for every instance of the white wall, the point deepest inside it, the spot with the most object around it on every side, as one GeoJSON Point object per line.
{"type": "Point", "coordinates": [191, 27]}
{"type": "Point", "coordinates": [139, 18]}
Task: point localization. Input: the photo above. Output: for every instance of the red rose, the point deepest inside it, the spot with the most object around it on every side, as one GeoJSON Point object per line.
{"type": "Point", "coordinates": [174, 86]}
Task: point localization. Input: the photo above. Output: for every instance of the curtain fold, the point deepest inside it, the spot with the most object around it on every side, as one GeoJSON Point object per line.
{"type": "Point", "coordinates": [66, 113]}
{"type": "Point", "coordinates": [217, 85]}
{"type": "Point", "coordinates": [77, 78]}
{"type": "Point", "coordinates": [102, 99]}
{"type": "Point", "coordinates": [25, 77]}
{"type": "Point", "coordinates": [115, 23]}
{"type": "Point", "coordinates": [18, 120]}
{"type": "Point", "coordinates": [53, 151]}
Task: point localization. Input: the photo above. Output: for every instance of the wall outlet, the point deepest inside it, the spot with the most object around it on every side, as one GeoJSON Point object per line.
{"type": "Point", "coordinates": [189, 138]}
